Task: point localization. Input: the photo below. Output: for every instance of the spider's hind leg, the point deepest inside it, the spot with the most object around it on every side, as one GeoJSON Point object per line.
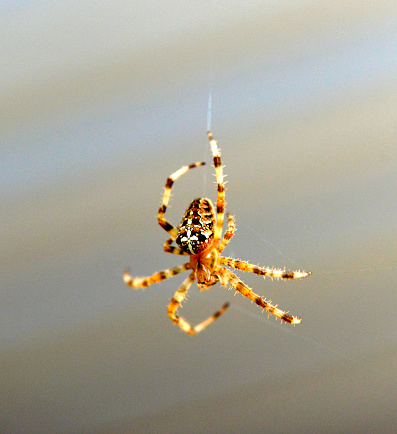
{"type": "Point", "coordinates": [176, 301]}
{"type": "Point", "coordinates": [169, 248]}
{"type": "Point", "coordinates": [166, 197]}
{"type": "Point", "coordinates": [231, 227]}
{"type": "Point", "coordinates": [220, 203]}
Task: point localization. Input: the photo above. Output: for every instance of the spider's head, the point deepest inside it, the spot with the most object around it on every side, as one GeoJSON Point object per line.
{"type": "Point", "coordinates": [203, 266]}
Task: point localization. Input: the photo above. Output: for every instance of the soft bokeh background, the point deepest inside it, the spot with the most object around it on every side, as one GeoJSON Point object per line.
{"type": "Point", "coordinates": [100, 102]}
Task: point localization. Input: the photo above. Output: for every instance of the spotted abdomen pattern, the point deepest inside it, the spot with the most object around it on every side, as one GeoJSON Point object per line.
{"type": "Point", "coordinates": [196, 231]}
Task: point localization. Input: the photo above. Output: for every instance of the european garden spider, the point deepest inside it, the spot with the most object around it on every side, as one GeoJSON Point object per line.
{"type": "Point", "coordinates": [200, 236]}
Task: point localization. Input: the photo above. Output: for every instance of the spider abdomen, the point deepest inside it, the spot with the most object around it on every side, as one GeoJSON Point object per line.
{"type": "Point", "coordinates": [196, 231]}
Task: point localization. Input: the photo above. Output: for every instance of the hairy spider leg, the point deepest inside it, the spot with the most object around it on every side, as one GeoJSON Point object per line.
{"type": "Point", "coordinates": [166, 197]}
{"type": "Point", "coordinates": [220, 203]}
{"type": "Point", "coordinates": [231, 227]}
{"type": "Point", "coordinates": [143, 282]}
{"type": "Point", "coordinates": [169, 248]}
{"type": "Point", "coordinates": [274, 273]}
{"type": "Point", "coordinates": [176, 301]}
{"type": "Point", "coordinates": [247, 292]}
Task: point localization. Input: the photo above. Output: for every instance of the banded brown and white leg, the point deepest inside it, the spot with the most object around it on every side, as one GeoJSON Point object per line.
{"type": "Point", "coordinates": [274, 273]}
{"type": "Point", "coordinates": [169, 248]}
{"type": "Point", "coordinates": [143, 282]}
{"type": "Point", "coordinates": [167, 193]}
{"type": "Point", "coordinates": [176, 301]}
{"type": "Point", "coordinates": [247, 292]}
{"type": "Point", "coordinates": [220, 203]}
{"type": "Point", "coordinates": [231, 224]}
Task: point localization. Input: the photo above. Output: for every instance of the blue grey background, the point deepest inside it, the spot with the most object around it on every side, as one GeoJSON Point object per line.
{"type": "Point", "coordinates": [100, 103]}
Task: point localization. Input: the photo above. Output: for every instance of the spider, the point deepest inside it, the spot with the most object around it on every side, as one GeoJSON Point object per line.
{"type": "Point", "coordinates": [199, 236]}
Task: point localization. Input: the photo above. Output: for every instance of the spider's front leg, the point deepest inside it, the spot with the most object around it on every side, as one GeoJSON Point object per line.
{"type": "Point", "coordinates": [182, 323]}
{"type": "Point", "coordinates": [247, 292]}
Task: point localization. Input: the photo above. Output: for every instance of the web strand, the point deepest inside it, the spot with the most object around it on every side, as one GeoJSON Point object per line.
{"type": "Point", "coordinates": [209, 110]}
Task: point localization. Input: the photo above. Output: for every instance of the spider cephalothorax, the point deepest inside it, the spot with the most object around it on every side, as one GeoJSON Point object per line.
{"type": "Point", "coordinates": [200, 236]}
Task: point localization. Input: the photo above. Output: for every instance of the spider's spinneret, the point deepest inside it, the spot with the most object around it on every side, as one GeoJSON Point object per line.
{"type": "Point", "coordinates": [196, 231]}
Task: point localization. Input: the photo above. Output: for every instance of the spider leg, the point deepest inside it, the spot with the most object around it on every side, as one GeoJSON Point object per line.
{"type": "Point", "coordinates": [172, 249]}
{"type": "Point", "coordinates": [220, 203]}
{"type": "Point", "coordinates": [176, 301]}
{"type": "Point", "coordinates": [143, 282]}
{"type": "Point", "coordinates": [231, 227]}
{"type": "Point", "coordinates": [166, 197]}
{"type": "Point", "coordinates": [274, 273]}
{"type": "Point", "coordinates": [247, 292]}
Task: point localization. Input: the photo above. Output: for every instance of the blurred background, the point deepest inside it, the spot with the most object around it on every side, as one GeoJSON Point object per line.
{"type": "Point", "coordinates": [100, 103]}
